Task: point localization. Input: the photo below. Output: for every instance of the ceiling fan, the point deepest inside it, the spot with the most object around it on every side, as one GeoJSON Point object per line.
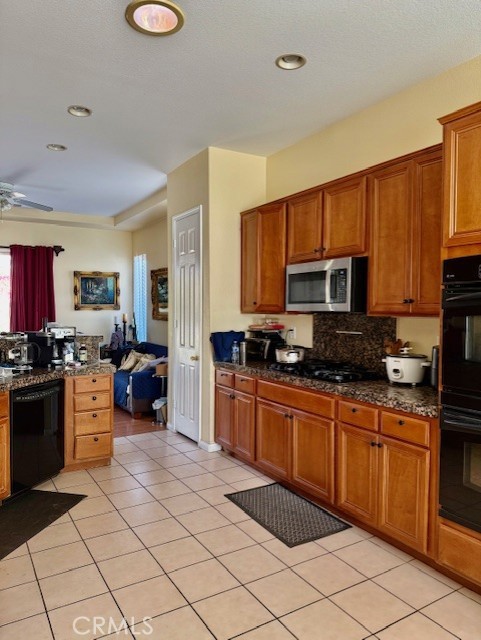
{"type": "Point", "coordinates": [10, 198]}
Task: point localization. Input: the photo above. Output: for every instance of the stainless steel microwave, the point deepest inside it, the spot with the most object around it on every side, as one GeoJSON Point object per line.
{"type": "Point", "coordinates": [327, 285]}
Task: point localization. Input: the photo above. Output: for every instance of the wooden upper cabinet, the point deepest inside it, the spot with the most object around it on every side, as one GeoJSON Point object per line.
{"type": "Point", "coordinates": [462, 191]}
{"type": "Point", "coordinates": [304, 228]}
{"type": "Point", "coordinates": [327, 223]}
{"type": "Point", "coordinates": [263, 255]}
{"type": "Point", "coordinates": [344, 218]}
{"type": "Point", "coordinates": [405, 201]}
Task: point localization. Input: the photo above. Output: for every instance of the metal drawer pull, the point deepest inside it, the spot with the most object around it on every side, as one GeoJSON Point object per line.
{"type": "Point", "coordinates": [354, 410]}
{"type": "Point", "coordinates": [373, 444]}
{"type": "Point", "coordinates": [94, 397]}
{"type": "Point", "coordinates": [94, 415]}
{"type": "Point", "coordinates": [94, 380]}
{"type": "Point", "coordinates": [401, 422]}
{"type": "Point", "coordinates": [96, 439]}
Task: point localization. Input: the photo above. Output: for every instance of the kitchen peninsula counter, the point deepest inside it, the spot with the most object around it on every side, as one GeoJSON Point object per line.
{"type": "Point", "coordinates": [421, 400]}
{"type": "Point", "coordinates": [39, 376]}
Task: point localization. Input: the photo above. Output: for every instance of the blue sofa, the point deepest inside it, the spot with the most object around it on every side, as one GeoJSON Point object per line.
{"type": "Point", "coordinates": [135, 392]}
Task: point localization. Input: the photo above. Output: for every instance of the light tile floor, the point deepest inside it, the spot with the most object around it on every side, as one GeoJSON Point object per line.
{"type": "Point", "coordinates": [156, 544]}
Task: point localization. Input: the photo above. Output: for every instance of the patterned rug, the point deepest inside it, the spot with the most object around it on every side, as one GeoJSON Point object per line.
{"type": "Point", "coordinates": [292, 519]}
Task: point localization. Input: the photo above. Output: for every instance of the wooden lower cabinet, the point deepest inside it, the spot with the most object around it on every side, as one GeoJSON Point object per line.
{"type": "Point", "coordinates": [357, 473]}
{"type": "Point", "coordinates": [313, 454]}
{"type": "Point", "coordinates": [459, 549]}
{"type": "Point", "coordinates": [404, 492]}
{"type": "Point", "coordinates": [235, 416]}
{"type": "Point", "coordinates": [4, 446]}
{"type": "Point", "coordinates": [273, 438]}
{"type": "Point", "coordinates": [384, 483]}
{"type": "Point", "coordinates": [88, 420]}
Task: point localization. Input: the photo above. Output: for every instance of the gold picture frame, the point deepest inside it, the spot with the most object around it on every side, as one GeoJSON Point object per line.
{"type": "Point", "coordinates": [96, 290]}
{"type": "Point", "coordinates": [160, 293]}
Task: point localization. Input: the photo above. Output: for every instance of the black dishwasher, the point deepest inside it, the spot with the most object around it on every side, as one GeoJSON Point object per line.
{"type": "Point", "coordinates": [36, 434]}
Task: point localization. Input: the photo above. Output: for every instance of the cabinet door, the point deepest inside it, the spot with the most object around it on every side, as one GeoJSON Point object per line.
{"type": "Point", "coordinates": [244, 421]}
{"type": "Point", "coordinates": [462, 195]}
{"type": "Point", "coordinates": [263, 259]}
{"type": "Point", "coordinates": [344, 218]}
{"type": "Point", "coordinates": [304, 228]}
{"type": "Point", "coordinates": [273, 438]}
{"type": "Point", "coordinates": [404, 492]}
{"type": "Point", "coordinates": [391, 205]}
{"type": "Point", "coordinates": [426, 257]}
{"type": "Point", "coordinates": [357, 472]}
{"type": "Point", "coordinates": [224, 417]}
{"type": "Point", "coordinates": [4, 458]}
{"type": "Point", "coordinates": [313, 454]}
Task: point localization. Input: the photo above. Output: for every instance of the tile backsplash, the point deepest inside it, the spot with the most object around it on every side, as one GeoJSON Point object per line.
{"type": "Point", "coordinates": [362, 347]}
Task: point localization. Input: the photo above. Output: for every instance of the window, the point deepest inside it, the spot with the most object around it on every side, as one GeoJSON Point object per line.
{"type": "Point", "coordinates": [4, 290]}
{"type": "Point", "coordinates": [140, 296]}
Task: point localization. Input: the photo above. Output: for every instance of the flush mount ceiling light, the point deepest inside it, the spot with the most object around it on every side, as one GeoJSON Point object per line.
{"type": "Point", "coordinates": [56, 147]}
{"type": "Point", "coordinates": [290, 61]}
{"type": "Point", "coordinates": [154, 17]}
{"type": "Point", "coordinates": [79, 111]}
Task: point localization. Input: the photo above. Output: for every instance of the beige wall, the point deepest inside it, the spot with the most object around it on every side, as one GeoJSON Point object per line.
{"type": "Point", "coordinates": [152, 241]}
{"type": "Point", "coordinates": [85, 250]}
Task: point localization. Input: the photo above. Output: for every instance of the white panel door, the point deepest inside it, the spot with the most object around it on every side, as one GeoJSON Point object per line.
{"type": "Point", "coordinates": [187, 322]}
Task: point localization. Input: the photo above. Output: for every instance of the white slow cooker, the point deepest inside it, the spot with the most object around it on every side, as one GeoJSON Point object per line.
{"type": "Point", "coordinates": [406, 368]}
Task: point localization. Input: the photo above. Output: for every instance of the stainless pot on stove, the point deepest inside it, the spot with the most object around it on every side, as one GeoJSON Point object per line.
{"type": "Point", "coordinates": [290, 354]}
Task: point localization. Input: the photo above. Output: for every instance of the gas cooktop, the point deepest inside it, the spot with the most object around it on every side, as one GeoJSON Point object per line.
{"type": "Point", "coordinates": [327, 370]}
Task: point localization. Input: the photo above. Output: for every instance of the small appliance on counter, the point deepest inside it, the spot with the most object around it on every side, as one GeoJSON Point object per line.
{"type": "Point", "coordinates": [23, 355]}
{"type": "Point", "coordinates": [405, 367]}
{"type": "Point", "coordinates": [53, 344]}
{"type": "Point", "coordinates": [262, 345]}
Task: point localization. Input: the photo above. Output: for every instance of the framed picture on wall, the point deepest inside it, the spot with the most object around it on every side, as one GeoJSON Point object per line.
{"type": "Point", "coordinates": [160, 293]}
{"type": "Point", "coordinates": [96, 290]}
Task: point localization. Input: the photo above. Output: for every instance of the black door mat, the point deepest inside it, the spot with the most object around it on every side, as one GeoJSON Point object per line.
{"type": "Point", "coordinates": [292, 519]}
{"type": "Point", "coordinates": [24, 516]}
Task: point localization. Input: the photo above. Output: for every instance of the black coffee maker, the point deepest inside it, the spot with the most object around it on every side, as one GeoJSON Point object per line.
{"type": "Point", "coordinates": [51, 343]}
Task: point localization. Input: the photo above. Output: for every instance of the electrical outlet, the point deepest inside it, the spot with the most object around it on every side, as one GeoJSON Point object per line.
{"type": "Point", "coordinates": [292, 333]}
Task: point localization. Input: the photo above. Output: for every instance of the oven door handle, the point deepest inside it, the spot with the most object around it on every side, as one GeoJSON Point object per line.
{"type": "Point", "coordinates": [463, 296]}
{"type": "Point", "coordinates": [455, 423]}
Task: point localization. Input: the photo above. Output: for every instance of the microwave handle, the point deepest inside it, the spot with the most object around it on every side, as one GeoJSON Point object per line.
{"type": "Point", "coordinates": [328, 286]}
{"type": "Point", "coordinates": [461, 297]}
{"type": "Point", "coordinates": [332, 285]}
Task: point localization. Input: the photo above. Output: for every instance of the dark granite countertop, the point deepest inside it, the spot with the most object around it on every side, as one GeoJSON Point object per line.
{"type": "Point", "coordinates": [37, 376]}
{"type": "Point", "coordinates": [422, 400]}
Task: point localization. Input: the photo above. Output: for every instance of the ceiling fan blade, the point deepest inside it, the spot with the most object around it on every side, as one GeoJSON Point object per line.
{"type": "Point", "coordinates": [32, 205]}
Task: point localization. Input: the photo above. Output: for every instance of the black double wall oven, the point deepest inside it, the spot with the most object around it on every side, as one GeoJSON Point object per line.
{"type": "Point", "coordinates": [460, 461]}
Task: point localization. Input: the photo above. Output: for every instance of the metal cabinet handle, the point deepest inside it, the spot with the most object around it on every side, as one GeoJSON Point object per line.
{"type": "Point", "coordinates": [373, 444]}
{"type": "Point", "coordinates": [232, 396]}
{"type": "Point", "coordinates": [96, 439]}
{"type": "Point", "coordinates": [401, 422]}
{"type": "Point", "coordinates": [94, 380]}
{"type": "Point", "coordinates": [379, 444]}
{"type": "Point", "coordinates": [94, 415]}
{"type": "Point", "coordinates": [354, 410]}
{"type": "Point", "coordinates": [94, 397]}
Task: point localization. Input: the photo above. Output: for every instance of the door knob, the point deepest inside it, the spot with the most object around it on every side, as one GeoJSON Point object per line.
{"type": "Point", "coordinates": [194, 357]}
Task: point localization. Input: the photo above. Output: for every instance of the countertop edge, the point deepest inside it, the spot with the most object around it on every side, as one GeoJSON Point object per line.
{"type": "Point", "coordinates": [39, 376]}
{"type": "Point", "coordinates": [422, 400]}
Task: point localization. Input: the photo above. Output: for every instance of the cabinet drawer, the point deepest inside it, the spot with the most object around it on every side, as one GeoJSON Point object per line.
{"type": "Point", "coordinates": [84, 384]}
{"type": "Point", "coordinates": [225, 378]}
{"type": "Point", "coordinates": [405, 428]}
{"type": "Point", "coordinates": [245, 383]}
{"type": "Point", "coordinates": [88, 401]}
{"type": "Point", "coordinates": [94, 446]}
{"type": "Point", "coordinates": [297, 399]}
{"type": "Point", "coordinates": [358, 414]}
{"type": "Point", "coordinates": [92, 422]}
{"type": "Point", "coordinates": [460, 551]}
{"type": "Point", "coordinates": [3, 405]}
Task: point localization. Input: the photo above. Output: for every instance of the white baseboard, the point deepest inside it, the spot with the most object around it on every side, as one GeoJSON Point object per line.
{"type": "Point", "coordinates": [209, 446]}
{"type": "Point", "coordinates": [170, 427]}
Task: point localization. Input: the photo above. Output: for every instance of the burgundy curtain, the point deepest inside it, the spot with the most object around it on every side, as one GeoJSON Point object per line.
{"type": "Point", "coordinates": [32, 291]}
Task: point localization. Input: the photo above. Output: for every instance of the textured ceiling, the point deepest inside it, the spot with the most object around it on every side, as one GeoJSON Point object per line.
{"type": "Point", "coordinates": [158, 101]}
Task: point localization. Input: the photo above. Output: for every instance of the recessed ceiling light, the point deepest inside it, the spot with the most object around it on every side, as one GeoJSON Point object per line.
{"type": "Point", "coordinates": [79, 111]}
{"type": "Point", "coordinates": [290, 61]}
{"type": "Point", "coordinates": [56, 147]}
{"type": "Point", "coordinates": [154, 17]}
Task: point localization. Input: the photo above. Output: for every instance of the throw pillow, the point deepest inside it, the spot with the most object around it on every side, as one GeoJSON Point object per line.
{"type": "Point", "coordinates": [130, 360]}
{"type": "Point", "coordinates": [143, 362]}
